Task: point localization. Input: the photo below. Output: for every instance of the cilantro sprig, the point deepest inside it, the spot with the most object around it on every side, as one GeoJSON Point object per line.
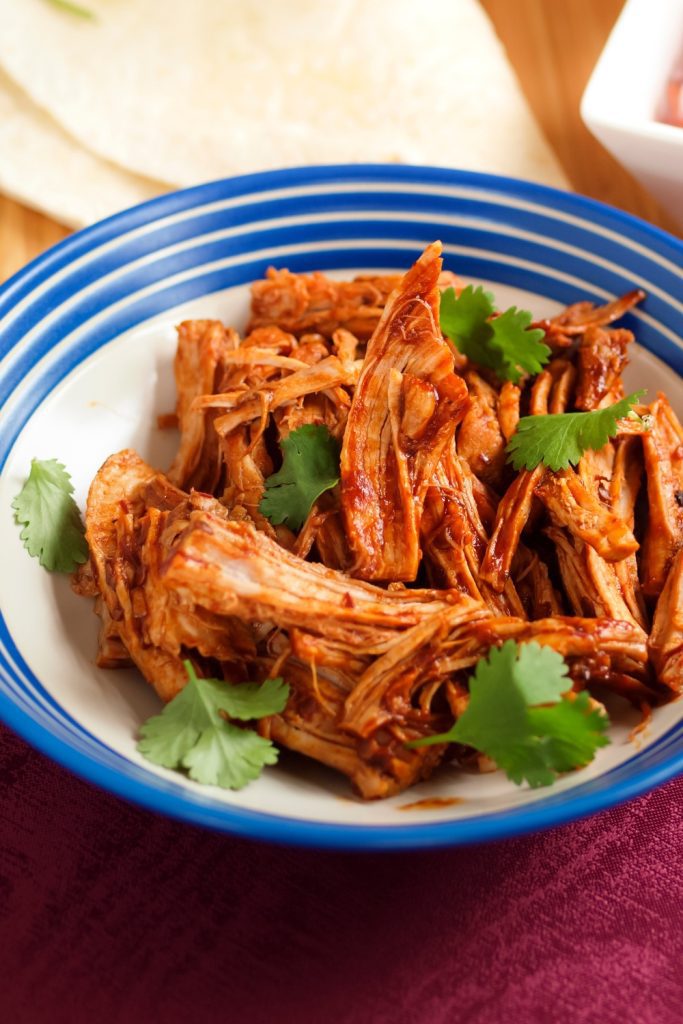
{"type": "Point", "coordinates": [53, 530]}
{"type": "Point", "coordinates": [560, 439]}
{"type": "Point", "coordinates": [192, 732]}
{"type": "Point", "coordinates": [504, 344]}
{"type": "Point", "coordinates": [520, 715]}
{"type": "Point", "coordinates": [310, 466]}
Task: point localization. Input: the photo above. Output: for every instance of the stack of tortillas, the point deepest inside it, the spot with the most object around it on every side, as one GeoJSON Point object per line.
{"type": "Point", "coordinates": [100, 112]}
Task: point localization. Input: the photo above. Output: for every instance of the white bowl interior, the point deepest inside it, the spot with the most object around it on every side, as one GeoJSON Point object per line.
{"type": "Point", "coordinates": [111, 401]}
{"type": "Point", "coordinates": [623, 100]}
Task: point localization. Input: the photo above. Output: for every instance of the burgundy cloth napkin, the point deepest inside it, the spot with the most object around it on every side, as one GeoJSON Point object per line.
{"type": "Point", "coordinates": [112, 915]}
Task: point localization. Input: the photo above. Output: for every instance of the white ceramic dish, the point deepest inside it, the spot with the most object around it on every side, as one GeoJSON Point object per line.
{"type": "Point", "coordinates": [86, 365]}
{"type": "Point", "coordinates": [624, 95]}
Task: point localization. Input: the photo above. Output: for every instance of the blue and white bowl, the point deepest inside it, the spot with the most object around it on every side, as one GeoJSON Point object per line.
{"type": "Point", "coordinates": [86, 347]}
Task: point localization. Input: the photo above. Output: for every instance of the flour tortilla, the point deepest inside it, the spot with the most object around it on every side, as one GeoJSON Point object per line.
{"type": "Point", "coordinates": [182, 92]}
{"type": "Point", "coordinates": [44, 167]}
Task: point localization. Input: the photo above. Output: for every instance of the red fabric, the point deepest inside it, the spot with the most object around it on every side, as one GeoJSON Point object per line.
{"type": "Point", "coordinates": [112, 915]}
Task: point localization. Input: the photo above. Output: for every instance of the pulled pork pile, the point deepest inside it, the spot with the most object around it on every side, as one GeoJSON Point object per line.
{"type": "Point", "coordinates": [586, 560]}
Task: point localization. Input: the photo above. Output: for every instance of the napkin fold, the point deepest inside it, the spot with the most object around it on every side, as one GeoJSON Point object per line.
{"type": "Point", "coordinates": [115, 915]}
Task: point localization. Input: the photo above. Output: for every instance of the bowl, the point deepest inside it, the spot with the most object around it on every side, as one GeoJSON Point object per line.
{"type": "Point", "coordinates": [624, 98]}
{"type": "Point", "coordinates": [86, 347]}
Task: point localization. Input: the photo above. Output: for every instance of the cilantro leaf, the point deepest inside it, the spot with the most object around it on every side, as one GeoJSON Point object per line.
{"type": "Point", "coordinates": [310, 466]}
{"type": "Point", "coordinates": [521, 349]}
{"type": "Point", "coordinates": [560, 439]}
{"type": "Point", "coordinates": [503, 719]}
{"type": "Point", "coordinates": [73, 8]}
{"type": "Point", "coordinates": [191, 732]}
{"type": "Point", "coordinates": [461, 316]}
{"type": "Point", "coordinates": [503, 344]}
{"type": "Point", "coordinates": [52, 525]}
{"type": "Point", "coordinates": [572, 731]}
{"type": "Point", "coordinates": [540, 672]}
{"type": "Point", "coordinates": [229, 757]}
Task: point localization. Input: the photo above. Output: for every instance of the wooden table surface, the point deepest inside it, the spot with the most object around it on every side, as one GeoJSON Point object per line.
{"type": "Point", "coordinates": [553, 46]}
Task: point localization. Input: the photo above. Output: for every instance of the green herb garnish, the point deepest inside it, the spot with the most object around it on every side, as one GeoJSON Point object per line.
{"type": "Point", "coordinates": [53, 530]}
{"type": "Point", "coordinates": [520, 715]}
{"type": "Point", "coordinates": [71, 8]}
{"type": "Point", "coordinates": [310, 466]}
{"type": "Point", "coordinates": [504, 344]}
{"type": "Point", "coordinates": [192, 732]}
{"type": "Point", "coordinates": [559, 440]}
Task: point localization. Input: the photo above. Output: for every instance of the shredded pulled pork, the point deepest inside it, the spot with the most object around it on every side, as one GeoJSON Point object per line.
{"type": "Point", "coordinates": [405, 407]}
{"type": "Point", "coordinates": [430, 551]}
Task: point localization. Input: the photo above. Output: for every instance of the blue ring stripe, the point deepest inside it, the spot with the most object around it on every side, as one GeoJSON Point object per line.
{"type": "Point", "coordinates": [152, 242]}
{"type": "Point", "coordinates": [152, 794]}
{"type": "Point", "coordinates": [24, 683]}
{"type": "Point", "coordinates": [344, 231]}
{"type": "Point", "coordinates": [29, 685]}
{"type": "Point", "coordinates": [492, 187]}
{"type": "Point", "coordinates": [474, 235]}
{"type": "Point", "coordinates": [142, 309]}
{"type": "Point", "coordinates": [154, 273]}
{"type": "Point", "coordinates": [91, 746]}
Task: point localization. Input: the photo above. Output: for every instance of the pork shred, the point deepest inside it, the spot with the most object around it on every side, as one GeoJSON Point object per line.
{"type": "Point", "coordinates": [429, 552]}
{"type": "Point", "coordinates": [406, 405]}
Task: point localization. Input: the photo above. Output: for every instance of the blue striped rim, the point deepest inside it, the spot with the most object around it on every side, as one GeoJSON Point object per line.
{"type": "Point", "coordinates": [91, 759]}
{"type": "Point", "coordinates": [224, 234]}
{"type": "Point", "coordinates": [496, 189]}
{"type": "Point", "coordinates": [136, 311]}
{"type": "Point", "coordinates": [27, 689]}
{"type": "Point", "coordinates": [469, 214]}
